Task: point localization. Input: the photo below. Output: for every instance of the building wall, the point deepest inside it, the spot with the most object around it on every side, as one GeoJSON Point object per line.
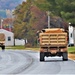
{"type": "Point", "coordinates": [71, 35]}
{"type": "Point", "coordinates": [74, 35]}
{"type": "Point", "coordinates": [19, 42]}
{"type": "Point", "coordinates": [9, 41]}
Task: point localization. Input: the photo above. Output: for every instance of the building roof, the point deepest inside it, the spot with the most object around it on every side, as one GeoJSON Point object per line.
{"type": "Point", "coordinates": [5, 31]}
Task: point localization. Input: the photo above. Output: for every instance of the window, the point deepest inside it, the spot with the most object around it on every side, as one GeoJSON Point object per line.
{"type": "Point", "coordinates": [71, 35]}
{"type": "Point", "coordinates": [9, 38]}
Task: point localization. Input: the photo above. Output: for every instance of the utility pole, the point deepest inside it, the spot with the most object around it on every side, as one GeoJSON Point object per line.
{"type": "Point", "coordinates": [1, 23]}
{"type": "Point", "coordinates": [48, 19]}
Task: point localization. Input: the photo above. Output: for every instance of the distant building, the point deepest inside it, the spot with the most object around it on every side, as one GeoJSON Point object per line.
{"type": "Point", "coordinates": [9, 41]}
{"type": "Point", "coordinates": [71, 36]}
{"type": "Point", "coordinates": [6, 24]}
{"type": "Point", "coordinates": [19, 42]}
{"type": "Point", "coordinates": [9, 13]}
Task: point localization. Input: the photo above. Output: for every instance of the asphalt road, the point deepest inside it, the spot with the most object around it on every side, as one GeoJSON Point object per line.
{"type": "Point", "coordinates": [27, 62]}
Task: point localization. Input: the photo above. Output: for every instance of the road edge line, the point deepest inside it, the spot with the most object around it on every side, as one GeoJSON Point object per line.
{"type": "Point", "coordinates": [72, 59]}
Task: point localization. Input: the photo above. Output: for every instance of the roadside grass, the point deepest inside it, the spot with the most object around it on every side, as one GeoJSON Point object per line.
{"type": "Point", "coordinates": [70, 49]}
{"type": "Point", "coordinates": [22, 48]}
{"type": "Point", "coordinates": [15, 47]}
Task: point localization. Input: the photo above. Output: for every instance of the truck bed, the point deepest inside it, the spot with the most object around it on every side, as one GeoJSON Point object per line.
{"type": "Point", "coordinates": [53, 39]}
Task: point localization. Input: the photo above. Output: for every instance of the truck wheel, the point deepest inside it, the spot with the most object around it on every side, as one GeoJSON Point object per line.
{"type": "Point", "coordinates": [3, 48]}
{"type": "Point", "coordinates": [65, 56]}
{"type": "Point", "coordinates": [41, 56]}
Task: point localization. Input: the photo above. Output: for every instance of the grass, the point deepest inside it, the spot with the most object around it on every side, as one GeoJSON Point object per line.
{"type": "Point", "coordinates": [15, 47]}
{"type": "Point", "coordinates": [70, 49]}
{"type": "Point", "coordinates": [22, 48]}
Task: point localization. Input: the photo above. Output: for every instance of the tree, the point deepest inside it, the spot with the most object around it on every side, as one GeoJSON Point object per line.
{"type": "Point", "coordinates": [31, 16]}
{"type": "Point", "coordinates": [28, 19]}
{"type": "Point", "coordinates": [64, 9]}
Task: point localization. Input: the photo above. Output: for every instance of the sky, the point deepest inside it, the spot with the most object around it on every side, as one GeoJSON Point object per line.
{"type": "Point", "coordinates": [22, 0]}
{"type": "Point", "coordinates": [9, 4]}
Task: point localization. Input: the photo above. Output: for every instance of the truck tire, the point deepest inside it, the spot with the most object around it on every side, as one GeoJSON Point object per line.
{"type": "Point", "coordinates": [3, 48]}
{"type": "Point", "coordinates": [65, 56]}
{"type": "Point", "coordinates": [41, 56]}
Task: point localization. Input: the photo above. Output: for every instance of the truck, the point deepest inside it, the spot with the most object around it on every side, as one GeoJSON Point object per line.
{"type": "Point", "coordinates": [53, 42]}
{"type": "Point", "coordinates": [2, 41]}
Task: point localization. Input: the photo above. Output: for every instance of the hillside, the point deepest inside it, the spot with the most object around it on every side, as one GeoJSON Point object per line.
{"type": "Point", "coordinates": [8, 4]}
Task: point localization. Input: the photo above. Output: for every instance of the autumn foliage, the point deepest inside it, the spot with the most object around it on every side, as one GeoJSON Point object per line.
{"type": "Point", "coordinates": [29, 19]}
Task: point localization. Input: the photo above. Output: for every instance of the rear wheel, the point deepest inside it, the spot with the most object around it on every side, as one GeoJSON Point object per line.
{"type": "Point", "coordinates": [41, 56]}
{"type": "Point", "coordinates": [65, 56]}
{"type": "Point", "coordinates": [3, 48]}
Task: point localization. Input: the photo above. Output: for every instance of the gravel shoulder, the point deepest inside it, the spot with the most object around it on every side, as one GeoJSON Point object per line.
{"type": "Point", "coordinates": [71, 56]}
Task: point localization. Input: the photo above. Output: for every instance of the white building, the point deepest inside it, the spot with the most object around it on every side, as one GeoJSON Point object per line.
{"type": "Point", "coordinates": [71, 35]}
{"type": "Point", "coordinates": [19, 42]}
{"type": "Point", "coordinates": [9, 41]}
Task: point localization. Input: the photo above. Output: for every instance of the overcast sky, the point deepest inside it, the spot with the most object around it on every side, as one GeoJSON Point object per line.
{"type": "Point", "coordinates": [9, 4]}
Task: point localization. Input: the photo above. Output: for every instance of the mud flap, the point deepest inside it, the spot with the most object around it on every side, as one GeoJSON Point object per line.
{"type": "Point", "coordinates": [42, 56]}
{"type": "Point", "coordinates": [65, 56]}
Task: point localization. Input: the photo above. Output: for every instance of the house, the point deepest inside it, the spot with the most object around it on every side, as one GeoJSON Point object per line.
{"type": "Point", "coordinates": [71, 36]}
{"type": "Point", "coordinates": [9, 41]}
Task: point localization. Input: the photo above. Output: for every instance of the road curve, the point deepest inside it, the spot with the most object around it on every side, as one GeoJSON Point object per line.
{"type": "Point", "coordinates": [27, 62]}
{"type": "Point", "coordinates": [52, 65]}
{"type": "Point", "coordinates": [14, 62]}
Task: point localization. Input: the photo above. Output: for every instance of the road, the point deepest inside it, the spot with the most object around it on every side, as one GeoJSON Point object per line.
{"type": "Point", "coordinates": [27, 62]}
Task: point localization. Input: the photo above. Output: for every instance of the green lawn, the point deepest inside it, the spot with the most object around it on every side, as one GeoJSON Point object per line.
{"type": "Point", "coordinates": [22, 48]}
{"type": "Point", "coordinates": [15, 47]}
{"type": "Point", "coordinates": [70, 49]}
